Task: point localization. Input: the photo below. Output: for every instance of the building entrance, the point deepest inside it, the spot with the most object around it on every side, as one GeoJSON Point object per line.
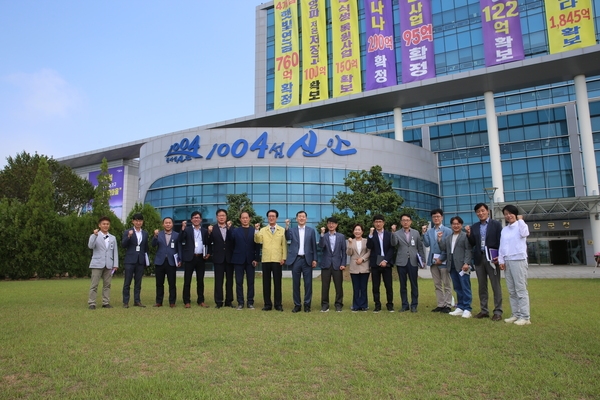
{"type": "Point", "coordinates": [564, 250]}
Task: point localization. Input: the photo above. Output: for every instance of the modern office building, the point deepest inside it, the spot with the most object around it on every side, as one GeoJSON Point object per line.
{"type": "Point", "coordinates": [460, 102]}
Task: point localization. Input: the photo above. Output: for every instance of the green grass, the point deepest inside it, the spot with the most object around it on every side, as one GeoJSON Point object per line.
{"type": "Point", "coordinates": [53, 347]}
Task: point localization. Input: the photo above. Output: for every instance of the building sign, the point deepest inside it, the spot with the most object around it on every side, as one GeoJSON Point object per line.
{"type": "Point", "coordinates": [287, 55]}
{"type": "Point", "coordinates": [381, 56]}
{"type": "Point", "coordinates": [117, 178]}
{"type": "Point", "coordinates": [262, 147]}
{"type": "Point", "coordinates": [346, 47]}
{"type": "Point", "coordinates": [502, 38]}
{"type": "Point", "coordinates": [418, 59]}
{"type": "Point", "coordinates": [315, 83]}
{"type": "Point", "coordinates": [570, 24]}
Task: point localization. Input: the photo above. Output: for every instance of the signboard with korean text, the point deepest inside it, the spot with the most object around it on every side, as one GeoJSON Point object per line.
{"type": "Point", "coordinates": [381, 57]}
{"type": "Point", "coordinates": [570, 24]}
{"type": "Point", "coordinates": [502, 38]}
{"type": "Point", "coordinates": [117, 178]}
{"type": "Point", "coordinates": [346, 47]}
{"type": "Point", "coordinates": [315, 83]}
{"type": "Point", "coordinates": [287, 55]}
{"type": "Point", "coordinates": [416, 27]}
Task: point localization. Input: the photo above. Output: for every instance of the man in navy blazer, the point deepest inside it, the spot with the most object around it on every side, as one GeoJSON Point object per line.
{"type": "Point", "coordinates": [486, 233]}
{"type": "Point", "coordinates": [245, 256]}
{"type": "Point", "coordinates": [333, 263]}
{"type": "Point", "coordinates": [219, 237]}
{"type": "Point", "coordinates": [193, 251]}
{"type": "Point", "coordinates": [302, 256]}
{"type": "Point", "coordinates": [135, 242]}
{"type": "Point", "coordinates": [164, 262]}
{"type": "Point", "coordinates": [380, 261]}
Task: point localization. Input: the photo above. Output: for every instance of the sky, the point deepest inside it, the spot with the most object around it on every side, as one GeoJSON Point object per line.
{"type": "Point", "coordinates": [79, 75]}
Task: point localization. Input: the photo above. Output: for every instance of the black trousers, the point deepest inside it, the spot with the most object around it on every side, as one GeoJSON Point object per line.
{"type": "Point", "coordinates": [338, 278]}
{"type": "Point", "coordinates": [276, 269]}
{"type": "Point", "coordinates": [240, 270]}
{"type": "Point", "coordinates": [133, 272]}
{"type": "Point", "coordinates": [223, 272]}
{"type": "Point", "coordinates": [386, 273]}
{"type": "Point", "coordinates": [413, 274]}
{"type": "Point", "coordinates": [171, 273]}
{"type": "Point", "coordinates": [196, 265]}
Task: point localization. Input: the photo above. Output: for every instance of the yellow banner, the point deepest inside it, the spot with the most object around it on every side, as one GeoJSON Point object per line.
{"type": "Point", "coordinates": [570, 24]}
{"type": "Point", "coordinates": [315, 82]}
{"type": "Point", "coordinates": [287, 55]}
{"type": "Point", "coordinates": [346, 47]}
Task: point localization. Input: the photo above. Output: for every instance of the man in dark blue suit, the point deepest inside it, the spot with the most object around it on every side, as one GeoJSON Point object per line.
{"type": "Point", "coordinates": [164, 262]}
{"type": "Point", "coordinates": [302, 256]}
{"type": "Point", "coordinates": [333, 264]}
{"type": "Point", "coordinates": [246, 254]}
{"type": "Point", "coordinates": [194, 250]}
{"type": "Point", "coordinates": [135, 242]}
{"type": "Point", "coordinates": [380, 261]}
{"type": "Point", "coordinates": [219, 237]}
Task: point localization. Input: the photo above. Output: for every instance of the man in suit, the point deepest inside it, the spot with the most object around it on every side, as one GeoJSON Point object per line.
{"type": "Point", "coordinates": [245, 256]}
{"type": "Point", "coordinates": [380, 262]}
{"type": "Point", "coordinates": [486, 233]}
{"type": "Point", "coordinates": [219, 237]}
{"type": "Point", "coordinates": [135, 242]}
{"type": "Point", "coordinates": [333, 263]}
{"type": "Point", "coordinates": [274, 252]}
{"type": "Point", "coordinates": [194, 250]}
{"type": "Point", "coordinates": [302, 256]}
{"type": "Point", "coordinates": [164, 262]}
{"type": "Point", "coordinates": [457, 253]}
{"type": "Point", "coordinates": [105, 261]}
{"type": "Point", "coordinates": [409, 257]}
{"type": "Point", "coordinates": [439, 271]}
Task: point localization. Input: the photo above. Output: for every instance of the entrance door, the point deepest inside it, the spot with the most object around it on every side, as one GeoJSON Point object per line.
{"type": "Point", "coordinates": [559, 252]}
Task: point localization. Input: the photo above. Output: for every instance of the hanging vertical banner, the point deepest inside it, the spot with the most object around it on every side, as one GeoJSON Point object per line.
{"type": "Point", "coordinates": [570, 24]}
{"type": "Point", "coordinates": [346, 47]}
{"type": "Point", "coordinates": [115, 187]}
{"type": "Point", "coordinates": [381, 57]}
{"type": "Point", "coordinates": [287, 55]}
{"type": "Point", "coordinates": [502, 38]}
{"type": "Point", "coordinates": [418, 59]}
{"type": "Point", "coordinates": [315, 83]}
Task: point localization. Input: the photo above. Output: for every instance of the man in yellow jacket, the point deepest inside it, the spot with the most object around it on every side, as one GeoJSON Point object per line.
{"type": "Point", "coordinates": [274, 251]}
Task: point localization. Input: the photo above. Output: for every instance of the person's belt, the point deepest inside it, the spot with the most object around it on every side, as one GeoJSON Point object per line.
{"type": "Point", "coordinates": [301, 256]}
{"type": "Point", "coordinates": [198, 255]}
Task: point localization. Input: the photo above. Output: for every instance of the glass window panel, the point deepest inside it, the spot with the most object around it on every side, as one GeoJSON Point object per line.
{"type": "Point", "coordinates": [295, 188]}
{"type": "Point", "coordinates": [260, 188]}
{"type": "Point", "coordinates": [226, 175]}
{"type": "Point", "coordinates": [242, 188]}
{"type": "Point", "coordinates": [278, 174]}
{"type": "Point", "coordinates": [242, 174]}
{"type": "Point", "coordinates": [278, 188]}
{"type": "Point", "coordinates": [260, 173]}
{"type": "Point", "coordinates": [295, 174]}
{"type": "Point", "coordinates": [311, 175]}
{"type": "Point", "coordinates": [180, 191]}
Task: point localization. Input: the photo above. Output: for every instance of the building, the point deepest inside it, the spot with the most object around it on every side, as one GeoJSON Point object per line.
{"type": "Point", "coordinates": [451, 129]}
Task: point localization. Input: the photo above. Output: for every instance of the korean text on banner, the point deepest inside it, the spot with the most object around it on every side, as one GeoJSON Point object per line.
{"type": "Point", "coordinates": [287, 55]}
{"type": "Point", "coordinates": [502, 38]}
{"type": "Point", "coordinates": [346, 47]}
{"type": "Point", "coordinates": [381, 57]}
{"type": "Point", "coordinates": [315, 83]}
{"type": "Point", "coordinates": [570, 24]}
{"type": "Point", "coordinates": [418, 59]}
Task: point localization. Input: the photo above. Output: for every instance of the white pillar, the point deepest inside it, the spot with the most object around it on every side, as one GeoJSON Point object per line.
{"type": "Point", "coordinates": [595, 228]}
{"type": "Point", "coordinates": [398, 131]}
{"type": "Point", "coordinates": [585, 134]}
{"type": "Point", "coordinates": [494, 140]}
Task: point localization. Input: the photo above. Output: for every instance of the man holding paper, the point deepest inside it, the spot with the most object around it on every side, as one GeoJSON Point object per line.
{"type": "Point", "coordinates": [438, 267]}
{"type": "Point", "coordinates": [484, 236]}
{"type": "Point", "coordinates": [166, 262]}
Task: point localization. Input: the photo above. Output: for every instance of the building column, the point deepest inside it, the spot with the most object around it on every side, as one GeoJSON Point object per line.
{"type": "Point", "coordinates": [494, 140]}
{"type": "Point", "coordinates": [398, 131]}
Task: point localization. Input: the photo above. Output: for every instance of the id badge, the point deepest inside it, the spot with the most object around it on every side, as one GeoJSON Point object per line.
{"type": "Point", "coordinates": [412, 242]}
{"type": "Point", "coordinates": [482, 243]}
{"type": "Point", "coordinates": [196, 244]}
{"type": "Point", "coordinates": [137, 248]}
{"type": "Point", "coordinates": [172, 245]}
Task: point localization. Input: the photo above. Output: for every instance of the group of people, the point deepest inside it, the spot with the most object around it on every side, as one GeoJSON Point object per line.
{"type": "Point", "coordinates": [236, 252]}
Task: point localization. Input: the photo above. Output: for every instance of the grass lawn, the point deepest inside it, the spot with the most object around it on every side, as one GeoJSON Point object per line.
{"type": "Point", "coordinates": [53, 347]}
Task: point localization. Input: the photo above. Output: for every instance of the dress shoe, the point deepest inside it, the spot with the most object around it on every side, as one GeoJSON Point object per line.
{"type": "Point", "coordinates": [297, 309]}
{"type": "Point", "coordinates": [229, 305]}
{"type": "Point", "coordinates": [404, 309]}
{"type": "Point", "coordinates": [106, 306]}
{"type": "Point", "coordinates": [482, 315]}
{"type": "Point", "coordinates": [92, 307]}
{"type": "Point", "coordinates": [265, 308]}
{"type": "Point", "coordinates": [437, 309]}
{"type": "Point", "coordinates": [157, 305]}
{"type": "Point", "coordinates": [218, 306]}
{"type": "Point", "coordinates": [203, 304]}
{"type": "Point", "coordinates": [172, 305]}
{"type": "Point", "coordinates": [188, 305]}
{"type": "Point", "coordinates": [446, 310]}
{"type": "Point", "coordinates": [377, 309]}
{"type": "Point", "coordinates": [413, 309]}
{"type": "Point", "coordinates": [306, 309]}
{"type": "Point", "coordinates": [497, 317]}
{"type": "Point", "coordinates": [138, 304]}
{"type": "Point", "coordinates": [279, 308]}
{"type": "Point", "coordinates": [125, 305]}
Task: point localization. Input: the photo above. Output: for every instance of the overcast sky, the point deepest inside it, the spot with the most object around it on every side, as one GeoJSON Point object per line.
{"type": "Point", "coordinates": [78, 75]}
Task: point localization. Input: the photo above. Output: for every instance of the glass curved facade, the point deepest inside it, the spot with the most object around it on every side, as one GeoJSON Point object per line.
{"type": "Point", "coordinates": [286, 189]}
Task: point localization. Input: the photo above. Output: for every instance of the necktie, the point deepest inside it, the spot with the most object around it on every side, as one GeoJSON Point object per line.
{"type": "Point", "coordinates": [273, 230]}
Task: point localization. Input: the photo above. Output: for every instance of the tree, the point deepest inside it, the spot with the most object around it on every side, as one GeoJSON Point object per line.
{"type": "Point", "coordinates": [238, 203]}
{"type": "Point", "coordinates": [70, 192]}
{"type": "Point", "coordinates": [370, 193]}
{"type": "Point", "coordinates": [100, 203]}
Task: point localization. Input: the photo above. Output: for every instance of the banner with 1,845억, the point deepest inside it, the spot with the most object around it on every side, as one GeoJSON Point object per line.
{"type": "Point", "coordinates": [287, 55]}
{"type": "Point", "coordinates": [570, 24]}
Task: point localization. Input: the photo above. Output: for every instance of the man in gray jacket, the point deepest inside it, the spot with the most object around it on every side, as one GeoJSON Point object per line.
{"type": "Point", "coordinates": [105, 261]}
